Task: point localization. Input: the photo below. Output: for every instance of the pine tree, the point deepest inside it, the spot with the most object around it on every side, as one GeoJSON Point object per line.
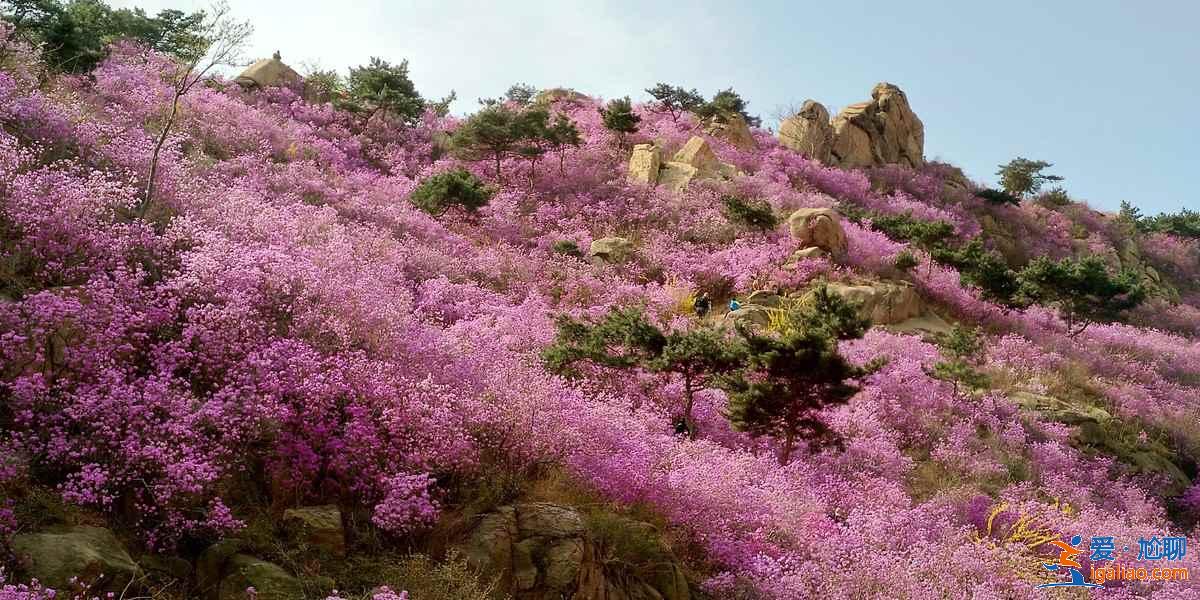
{"type": "Point", "coordinates": [457, 187]}
{"type": "Point", "coordinates": [675, 100]}
{"type": "Point", "coordinates": [1022, 176]}
{"type": "Point", "coordinates": [725, 104]}
{"type": "Point", "coordinates": [618, 117]}
{"type": "Point", "coordinates": [563, 134]}
{"type": "Point", "coordinates": [1082, 289]}
{"type": "Point", "coordinates": [791, 376]}
{"type": "Point", "coordinates": [520, 94]}
{"type": "Point", "coordinates": [626, 339]}
{"type": "Point", "coordinates": [383, 88]}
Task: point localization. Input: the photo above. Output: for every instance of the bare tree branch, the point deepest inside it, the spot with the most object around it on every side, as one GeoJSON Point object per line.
{"type": "Point", "coordinates": [224, 40]}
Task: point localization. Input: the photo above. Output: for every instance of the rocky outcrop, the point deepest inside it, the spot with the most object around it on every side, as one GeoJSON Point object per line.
{"type": "Point", "coordinates": [223, 572]}
{"type": "Point", "coordinates": [1094, 431]}
{"type": "Point", "coordinates": [809, 132]}
{"type": "Point", "coordinates": [270, 581]}
{"type": "Point", "coordinates": [733, 129]}
{"type": "Point", "coordinates": [1003, 240]}
{"type": "Point", "coordinates": [611, 249]}
{"type": "Point", "coordinates": [90, 555]}
{"type": "Point", "coordinates": [819, 228]}
{"type": "Point", "coordinates": [882, 131]}
{"type": "Point", "coordinates": [1129, 257]}
{"type": "Point", "coordinates": [695, 160]}
{"type": "Point", "coordinates": [540, 551]}
{"type": "Point", "coordinates": [767, 298]}
{"type": "Point", "coordinates": [268, 72]}
{"type": "Point", "coordinates": [645, 163]}
{"type": "Point", "coordinates": [884, 303]}
{"type": "Point", "coordinates": [698, 154]}
{"type": "Point", "coordinates": [749, 314]}
{"type": "Point", "coordinates": [318, 527]}
{"type": "Point", "coordinates": [807, 253]}
{"type": "Point", "coordinates": [555, 95]}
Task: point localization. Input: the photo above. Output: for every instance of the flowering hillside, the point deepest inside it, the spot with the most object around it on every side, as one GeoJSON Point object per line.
{"type": "Point", "coordinates": [282, 326]}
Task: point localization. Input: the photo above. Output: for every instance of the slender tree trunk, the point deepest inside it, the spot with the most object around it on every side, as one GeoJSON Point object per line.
{"type": "Point", "coordinates": [162, 139]}
{"type": "Point", "coordinates": [497, 158]}
{"type": "Point", "coordinates": [689, 400]}
{"type": "Point", "coordinates": [789, 440]}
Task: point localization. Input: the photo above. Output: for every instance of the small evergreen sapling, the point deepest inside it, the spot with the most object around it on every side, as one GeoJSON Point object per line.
{"type": "Point", "coordinates": [750, 214]}
{"type": "Point", "coordinates": [618, 117]}
{"type": "Point", "coordinates": [457, 187]}
{"type": "Point", "coordinates": [960, 349]}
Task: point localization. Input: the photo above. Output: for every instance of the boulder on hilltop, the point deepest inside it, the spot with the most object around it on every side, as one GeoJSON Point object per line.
{"type": "Point", "coordinates": [882, 131]}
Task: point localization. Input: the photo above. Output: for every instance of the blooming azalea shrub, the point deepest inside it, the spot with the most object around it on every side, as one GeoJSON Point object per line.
{"type": "Point", "coordinates": [287, 316]}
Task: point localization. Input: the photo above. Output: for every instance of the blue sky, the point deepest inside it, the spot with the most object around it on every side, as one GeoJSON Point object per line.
{"type": "Point", "coordinates": [1106, 90]}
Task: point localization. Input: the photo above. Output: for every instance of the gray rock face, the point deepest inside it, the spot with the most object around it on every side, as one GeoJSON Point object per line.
{"type": "Point", "coordinates": [809, 132]}
{"type": "Point", "coordinates": [90, 554]}
{"type": "Point", "coordinates": [541, 551]}
{"type": "Point", "coordinates": [750, 314]}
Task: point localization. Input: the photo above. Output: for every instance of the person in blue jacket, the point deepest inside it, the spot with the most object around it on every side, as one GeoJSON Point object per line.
{"type": "Point", "coordinates": [734, 305]}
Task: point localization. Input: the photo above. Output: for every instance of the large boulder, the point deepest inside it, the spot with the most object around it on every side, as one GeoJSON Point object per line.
{"type": "Point", "coordinates": [541, 551]}
{"type": "Point", "coordinates": [644, 163]}
{"type": "Point", "coordinates": [270, 581]}
{"type": "Point", "coordinates": [611, 249]}
{"type": "Point", "coordinates": [695, 160]}
{"type": "Point", "coordinates": [767, 298]}
{"type": "Point", "coordinates": [319, 527]}
{"type": "Point", "coordinates": [809, 132]}
{"type": "Point", "coordinates": [676, 176]}
{"type": "Point", "coordinates": [818, 227]}
{"type": "Point", "coordinates": [698, 154]}
{"type": "Point", "coordinates": [90, 555]}
{"type": "Point", "coordinates": [268, 72]}
{"type": "Point", "coordinates": [733, 129]}
{"type": "Point", "coordinates": [750, 314]}
{"type": "Point", "coordinates": [882, 302]}
{"type": "Point", "coordinates": [882, 131]}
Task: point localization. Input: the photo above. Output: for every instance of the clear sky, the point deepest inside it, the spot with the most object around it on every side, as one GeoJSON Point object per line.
{"type": "Point", "coordinates": [1107, 90]}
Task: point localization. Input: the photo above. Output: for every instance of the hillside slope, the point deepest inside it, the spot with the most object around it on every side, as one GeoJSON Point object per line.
{"type": "Point", "coordinates": [282, 327]}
